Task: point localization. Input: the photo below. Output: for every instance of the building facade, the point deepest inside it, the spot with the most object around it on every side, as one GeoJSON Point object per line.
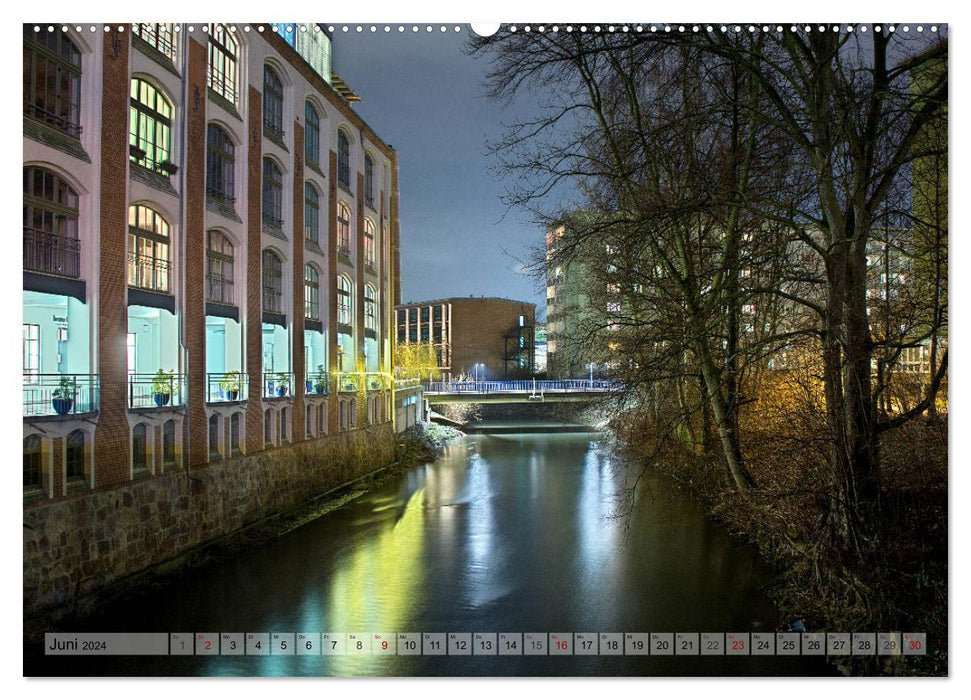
{"type": "Point", "coordinates": [473, 337]}
{"type": "Point", "coordinates": [209, 250]}
{"type": "Point", "coordinates": [567, 305]}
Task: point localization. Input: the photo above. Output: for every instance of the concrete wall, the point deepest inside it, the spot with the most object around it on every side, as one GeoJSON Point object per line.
{"type": "Point", "coordinates": [74, 547]}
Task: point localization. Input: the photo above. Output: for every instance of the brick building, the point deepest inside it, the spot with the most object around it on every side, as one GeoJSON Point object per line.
{"type": "Point", "coordinates": [484, 337]}
{"type": "Point", "coordinates": [209, 250]}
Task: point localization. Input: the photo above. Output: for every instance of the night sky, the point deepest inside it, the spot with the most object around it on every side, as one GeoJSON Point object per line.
{"type": "Point", "coordinates": [426, 98]}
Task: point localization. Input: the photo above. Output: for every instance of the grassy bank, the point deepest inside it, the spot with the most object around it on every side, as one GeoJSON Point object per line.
{"type": "Point", "coordinates": [894, 581]}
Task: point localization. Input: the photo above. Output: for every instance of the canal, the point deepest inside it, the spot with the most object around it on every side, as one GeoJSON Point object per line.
{"type": "Point", "coordinates": [510, 532]}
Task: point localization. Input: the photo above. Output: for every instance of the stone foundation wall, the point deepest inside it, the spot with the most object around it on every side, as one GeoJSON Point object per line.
{"type": "Point", "coordinates": [75, 547]}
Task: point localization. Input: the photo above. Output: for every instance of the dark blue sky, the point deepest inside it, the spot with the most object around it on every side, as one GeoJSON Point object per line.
{"type": "Point", "coordinates": [425, 97]}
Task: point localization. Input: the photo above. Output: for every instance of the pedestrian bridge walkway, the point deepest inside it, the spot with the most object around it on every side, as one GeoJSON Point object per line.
{"type": "Point", "coordinates": [520, 391]}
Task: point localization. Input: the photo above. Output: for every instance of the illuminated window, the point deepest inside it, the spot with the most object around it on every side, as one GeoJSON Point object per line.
{"type": "Point", "coordinates": [160, 37]}
{"type": "Point", "coordinates": [272, 282]}
{"type": "Point", "coordinates": [272, 193]}
{"type": "Point", "coordinates": [311, 292]}
{"type": "Point", "coordinates": [52, 80]}
{"type": "Point", "coordinates": [148, 249]}
{"type": "Point", "coordinates": [343, 228]}
{"type": "Point", "coordinates": [311, 136]}
{"type": "Point", "coordinates": [219, 269]}
{"type": "Point", "coordinates": [149, 124]}
{"type": "Point", "coordinates": [223, 58]}
{"type": "Point", "coordinates": [311, 213]}
{"type": "Point", "coordinates": [370, 308]}
{"type": "Point", "coordinates": [220, 165]}
{"type": "Point", "coordinates": [31, 352]}
{"type": "Point", "coordinates": [368, 181]}
{"type": "Point", "coordinates": [343, 159]}
{"type": "Point", "coordinates": [343, 300]}
{"type": "Point", "coordinates": [272, 103]}
{"type": "Point", "coordinates": [368, 243]}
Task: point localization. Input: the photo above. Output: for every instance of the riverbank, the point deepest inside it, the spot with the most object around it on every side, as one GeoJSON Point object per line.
{"type": "Point", "coordinates": [896, 582]}
{"type": "Point", "coordinates": [418, 445]}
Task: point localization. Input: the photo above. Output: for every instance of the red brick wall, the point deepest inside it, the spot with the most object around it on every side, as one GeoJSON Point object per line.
{"type": "Point", "coordinates": [254, 286]}
{"type": "Point", "coordinates": [112, 434]}
{"type": "Point", "coordinates": [299, 413]}
{"type": "Point", "coordinates": [478, 330]}
{"type": "Point", "coordinates": [194, 304]}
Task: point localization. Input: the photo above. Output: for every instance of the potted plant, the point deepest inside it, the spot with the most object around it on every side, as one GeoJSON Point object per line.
{"type": "Point", "coordinates": [163, 385]}
{"type": "Point", "coordinates": [63, 397]}
{"type": "Point", "coordinates": [282, 384]}
{"type": "Point", "coordinates": [168, 167]}
{"type": "Point", "coordinates": [230, 385]}
{"type": "Point", "coordinates": [136, 152]}
{"type": "Point", "coordinates": [320, 380]}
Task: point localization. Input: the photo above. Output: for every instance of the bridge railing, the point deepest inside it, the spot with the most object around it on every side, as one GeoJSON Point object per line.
{"type": "Point", "coordinates": [524, 386]}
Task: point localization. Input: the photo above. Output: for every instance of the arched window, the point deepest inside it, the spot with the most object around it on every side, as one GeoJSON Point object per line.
{"type": "Point", "coordinates": [369, 243]}
{"type": "Point", "coordinates": [311, 213]}
{"type": "Point", "coordinates": [272, 103]}
{"type": "Point", "coordinates": [160, 37]}
{"type": "Point", "coordinates": [267, 427]}
{"type": "Point", "coordinates": [311, 292]}
{"type": "Point", "coordinates": [369, 180]}
{"type": "Point", "coordinates": [311, 135]}
{"type": "Point", "coordinates": [52, 80]}
{"type": "Point", "coordinates": [284, 427]}
{"type": "Point", "coordinates": [139, 447]}
{"type": "Point", "coordinates": [272, 282]}
{"type": "Point", "coordinates": [343, 159]}
{"type": "Point", "coordinates": [321, 419]}
{"type": "Point", "coordinates": [223, 57]}
{"type": "Point", "coordinates": [343, 228]}
{"type": "Point", "coordinates": [214, 436]}
{"type": "Point", "coordinates": [168, 443]}
{"type": "Point", "coordinates": [50, 224]}
{"type": "Point", "coordinates": [219, 268]}
{"type": "Point", "coordinates": [370, 308]}
{"type": "Point", "coordinates": [220, 165]}
{"type": "Point", "coordinates": [234, 447]}
{"type": "Point", "coordinates": [150, 125]}
{"type": "Point", "coordinates": [148, 249]}
{"type": "Point", "coordinates": [33, 464]}
{"type": "Point", "coordinates": [272, 193]}
{"type": "Point", "coordinates": [343, 300]}
{"type": "Point", "coordinates": [74, 456]}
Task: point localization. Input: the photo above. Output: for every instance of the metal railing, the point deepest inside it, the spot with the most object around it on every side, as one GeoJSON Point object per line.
{"type": "Point", "coordinates": [377, 381]}
{"type": "Point", "coordinates": [220, 196]}
{"type": "Point", "coordinates": [146, 272]}
{"type": "Point", "coordinates": [222, 387]}
{"type": "Point", "coordinates": [524, 386]}
{"type": "Point", "coordinates": [51, 253]}
{"type": "Point", "coordinates": [409, 383]}
{"type": "Point", "coordinates": [60, 394]}
{"type": "Point", "coordinates": [156, 391]}
{"type": "Point", "coordinates": [219, 289]}
{"type": "Point", "coordinates": [58, 121]}
{"type": "Point", "coordinates": [277, 384]}
{"type": "Point", "coordinates": [318, 383]}
{"type": "Point", "coordinates": [349, 382]}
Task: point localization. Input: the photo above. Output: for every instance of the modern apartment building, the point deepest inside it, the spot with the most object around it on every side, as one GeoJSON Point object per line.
{"type": "Point", "coordinates": [209, 250]}
{"type": "Point", "coordinates": [474, 337]}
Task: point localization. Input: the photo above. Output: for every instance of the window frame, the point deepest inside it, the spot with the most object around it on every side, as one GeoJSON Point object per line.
{"type": "Point", "coordinates": [272, 279]}
{"type": "Point", "coordinates": [343, 159]}
{"type": "Point", "coordinates": [225, 261]}
{"type": "Point", "coordinates": [272, 199]}
{"type": "Point", "coordinates": [141, 113]}
{"type": "Point", "coordinates": [311, 292]}
{"type": "Point", "coordinates": [343, 228]}
{"type": "Point", "coordinates": [163, 41]}
{"type": "Point", "coordinates": [224, 46]}
{"type": "Point", "coordinates": [159, 262]}
{"type": "Point", "coordinates": [220, 164]}
{"type": "Point", "coordinates": [311, 134]}
{"type": "Point", "coordinates": [345, 301]}
{"type": "Point", "coordinates": [311, 213]}
{"type": "Point", "coordinates": [272, 103]}
{"type": "Point", "coordinates": [369, 180]}
{"type": "Point", "coordinates": [37, 47]}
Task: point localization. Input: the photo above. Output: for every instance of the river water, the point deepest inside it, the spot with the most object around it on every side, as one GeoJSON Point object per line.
{"type": "Point", "coordinates": [527, 532]}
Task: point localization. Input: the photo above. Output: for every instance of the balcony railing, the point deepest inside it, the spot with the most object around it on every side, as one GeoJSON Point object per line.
{"type": "Point", "coordinates": [318, 383]}
{"type": "Point", "coordinates": [58, 121]}
{"type": "Point", "coordinates": [377, 381]}
{"type": "Point", "coordinates": [220, 196]}
{"type": "Point", "coordinates": [350, 382]}
{"type": "Point", "coordinates": [222, 387]}
{"type": "Point", "coordinates": [273, 130]}
{"type": "Point", "coordinates": [51, 253]}
{"type": "Point", "coordinates": [272, 300]}
{"type": "Point", "coordinates": [219, 289]}
{"type": "Point", "coordinates": [277, 384]}
{"type": "Point", "coordinates": [146, 272]}
{"type": "Point", "coordinates": [155, 391]}
{"type": "Point", "coordinates": [60, 394]}
{"type": "Point", "coordinates": [411, 383]}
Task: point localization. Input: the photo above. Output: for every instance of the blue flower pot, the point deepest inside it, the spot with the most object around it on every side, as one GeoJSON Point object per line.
{"type": "Point", "coordinates": [62, 405]}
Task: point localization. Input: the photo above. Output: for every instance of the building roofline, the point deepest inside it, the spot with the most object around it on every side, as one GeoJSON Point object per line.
{"type": "Point", "coordinates": [449, 300]}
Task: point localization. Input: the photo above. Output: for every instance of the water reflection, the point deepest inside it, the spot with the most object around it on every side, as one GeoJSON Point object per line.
{"type": "Point", "coordinates": [506, 532]}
